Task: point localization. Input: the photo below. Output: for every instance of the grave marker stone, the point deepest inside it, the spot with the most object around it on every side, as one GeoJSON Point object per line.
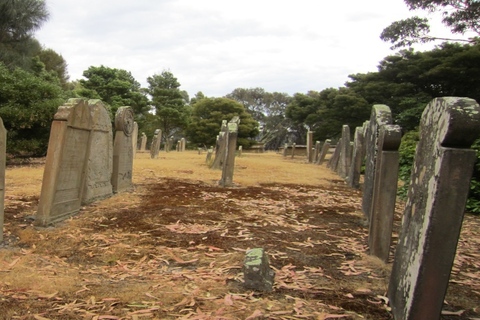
{"type": "Point", "coordinates": [231, 147]}
{"type": "Point", "coordinates": [155, 146]}
{"type": "Point", "coordinates": [345, 154]}
{"type": "Point", "coordinates": [293, 149]}
{"type": "Point", "coordinates": [143, 143]}
{"type": "Point", "coordinates": [135, 139]}
{"type": "Point", "coordinates": [257, 272]}
{"type": "Point", "coordinates": [358, 154]}
{"type": "Point", "coordinates": [220, 148]}
{"type": "Point", "coordinates": [285, 149]}
{"type": "Point", "coordinates": [123, 150]}
{"type": "Point", "coordinates": [309, 146]}
{"type": "Point", "coordinates": [323, 153]}
{"type": "Point", "coordinates": [333, 162]}
{"type": "Point", "coordinates": [317, 151]}
{"type": "Point", "coordinates": [434, 209]}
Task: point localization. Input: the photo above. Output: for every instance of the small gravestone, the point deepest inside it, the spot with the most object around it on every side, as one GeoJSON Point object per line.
{"type": "Point", "coordinates": [381, 115]}
{"type": "Point", "coordinates": [324, 151]}
{"type": "Point", "coordinates": [231, 147]}
{"type": "Point", "coordinates": [143, 143]}
{"type": "Point", "coordinates": [3, 144]}
{"type": "Point", "coordinates": [208, 160]}
{"type": "Point", "coordinates": [257, 272]}
{"type": "Point", "coordinates": [240, 150]}
{"type": "Point", "coordinates": [183, 144]}
{"type": "Point", "coordinates": [345, 154]}
{"type": "Point", "coordinates": [309, 146]}
{"type": "Point", "coordinates": [220, 148]}
{"type": "Point", "coordinates": [285, 149]}
{"type": "Point", "coordinates": [135, 138]}
{"type": "Point", "coordinates": [123, 150]}
{"type": "Point", "coordinates": [358, 155]}
{"type": "Point", "coordinates": [293, 150]}
{"type": "Point", "coordinates": [433, 215]}
{"type": "Point", "coordinates": [317, 151]}
{"type": "Point", "coordinates": [155, 146]}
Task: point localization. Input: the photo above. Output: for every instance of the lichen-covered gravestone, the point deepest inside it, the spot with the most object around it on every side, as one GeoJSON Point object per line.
{"type": "Point", "coordinates": [155, 146]}
{"type": "Point", "coordinates": [3, 145]}
{"type": "Point", "coordinates": [135, 138]}
{"type": "Point", "coordinates": [220, 148]}
{"type": "Point", "coordinates": [123, 150]}
{"type": "Point", "coordinates": [434, 209]}
{"type": "Point", "coordinates": [257, 272]}
{"type": "Point", "coordinates": [68, 173]}
{"type": "Point", "coordinates": [230, 149]}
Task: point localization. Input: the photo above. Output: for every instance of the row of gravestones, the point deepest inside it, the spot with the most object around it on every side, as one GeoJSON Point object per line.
{"type": "Point", "coordinates": [156, 141]}
{"type": "Point", "coordinates": [435, 203]}
{"type": "Point", "coordinates": [225, 151]}
{"type": "Point", "coordinates": [83, 161]}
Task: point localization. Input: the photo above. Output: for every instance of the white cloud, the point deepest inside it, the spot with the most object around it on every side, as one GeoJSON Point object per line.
{"type": "Point", "coordinates": [216, 46]}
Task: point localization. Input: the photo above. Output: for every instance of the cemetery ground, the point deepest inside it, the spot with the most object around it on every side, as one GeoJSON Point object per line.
{"type": "Point", "coordinates": [173, 247]}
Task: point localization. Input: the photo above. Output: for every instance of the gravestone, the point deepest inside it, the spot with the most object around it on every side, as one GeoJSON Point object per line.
{"type": "Point", "coordinates": [293, 149]}
{"type": "Point", "coordinates": [333, 162]}
{"type": "Point", "coordinates": [240, 150]}
{"type": "Point", "coordinates": [358, 155]}
{"type": "Point", "coordinates": [220, 148]}
{"type": "Point", "coordinates": [155, 146]}
{"type": "Point", "coordinates": [98, 183]}
{"type": "Point", "coordinates": [231, 147]}
{"type": "Point", "coordinates": [285, 149]}
{"type": "Point", "coordinates": [257, 272]}
{"type": "Point", "coordinates": [123, 150]}
{"type": "Point", "coordinates": [384, 191]}
{"type": "Point", "coordinates": [317, 151]}
{"type": "Point", "coordinates": [135, 138]}
{"type": "Point", "coordinates": [3, 150]}
{"type": "Point", "coordinates": [143, 143]}
{"type": "Point", "coordinates": [380, 116]}
{"type": "Point", "coordinates": [69, 150]}
{"type": "Point", "coordinates": [345, 153]}
{"type": "Point", "coordinates": [434, 209]}
{"type": "Point", "coordinates": [323, 153]}
{"type": "Point", "coordinates": [208, 160]}
{"type": "Point", "coordinates": [183, 144]}
{"type": "Point", "coordinates": [309, 146]}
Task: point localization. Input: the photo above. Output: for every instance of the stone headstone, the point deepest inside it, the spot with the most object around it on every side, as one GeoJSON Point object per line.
{"type": "Point", "coordinates": [220, 148]}
{"type": "Point", "coordinates": [123, 150]}
{"type": "Point", "coordinates": [143, 143]}
{"type": "Point", "coordinates": [434, 209]}
{"type": "Point", "coordinates": [183, 144]}
{"type": "Point", "coordinates": [3, 150]}
{"type": "Point", "coordinates": [155, 146]}
{"type": "Point", "coordinates": [98, 183]}
{"type": "Point", "coordinates": [240, 150]}
{"type": "Point", "coordinates": [257, 272]}
{"type": "Point", "coordinates": [358, 155]}
{"type": "Point", "coordinates": [285, 149]}
{"type": "Point", "coordinates": [384, 191]}
{"type": "Point", "coordinates": [317, 151]}
{"type": "Point", "coordinates": [231, 147]}
{"type": "Point", "coordinates": [135, 138]}
{"type": "Point", "coordinates": [208, 160]}
{"type": "Point", "coordinates": [345, 154]}
{"type": "Point", "coordinates": [333, 161]}
{"type": "Point", "coordinates": [67, 175]}
{"type": "Point", "coordinates": [309, 146]}
{"type": "Point", "coordinates": [293, 149]}
{"type": "Point", "coordinates": [324, 151]}
{"type": "Point", "coordinates": [381, 115]}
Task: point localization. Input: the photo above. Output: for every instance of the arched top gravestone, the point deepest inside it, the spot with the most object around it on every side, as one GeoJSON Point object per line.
{"type": "Point", "coordinates": [123, 150]}
{"type": "Point", "coordinates": [434, 209]}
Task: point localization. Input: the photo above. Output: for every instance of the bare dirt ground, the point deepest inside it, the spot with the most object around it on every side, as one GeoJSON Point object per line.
{"type": "Point", "coordinates": [174, 246]}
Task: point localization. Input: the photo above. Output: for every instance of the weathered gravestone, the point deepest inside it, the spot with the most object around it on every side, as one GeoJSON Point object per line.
{"type": "Point", "coordinates": [68, 170]}
{"type": "Point", "coordinates": [3, 145]}
{"type": "Point", "coordinates": [293, 149]}
{"type": "Point", "coordinates": [333, 162]}
{"type": "Point", "coordinates": [257, 272]}
{"type": "Point", "coordinates": [135, 138]}
{"type": "Point", "coordinates": [434, 209]}
{"type": "Point", "coordinates": [309, 146]}
{"type": "Point", "coordinates": [380, 116]}
{"type": "Point", "coordinates": [208, 160]}
{"type": "Point", "coordinates": [323, 153]}
{"type": "Point", "coordinates": [317, 151]}
{"type": "Point", "coordinates": [220, 148]}
{"type": "Point", "coordinates": [231, 147]}
{"type": "Point", "coordinates": [155, 146]}
{"type": "Point", "coordinates": [143, 143]}
{"type": "Point", "coordinates": [384, 191]}
{"type": "Point", "coordinates": [123, 150]}
{"type": "Point", "coordinates": [353, 179]}
{"type": "Point", "coordinates": [285, 149]}
{"type": "Point", "coordinates": [345, 153]}
{"type": "Point", "coordinates": [183, 144]}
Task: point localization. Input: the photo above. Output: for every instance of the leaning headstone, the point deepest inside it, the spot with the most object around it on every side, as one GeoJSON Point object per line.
{"type": "Point", "coordinates": [333, 161]}
{"type": "Point", "coordinates": [134, 139]}
{"type": "Point", "coordinates": [98, 179]}
{"type": "Point", "coordinates": [309, 146]}
{"type": "Point", "coordinates": [123, 150]}
{"type": "Point", "coordinates": [257, 272]}
{"type": "Point", "coordinates": [323, 153]}
{"type": "Point", "coordinates": [66, 163]}
{"type": "Point", "coordinates": [358, 155]}
{"type": "Point", "coordinates": [3, 150]}
{"type": "Point", "coordinates": [231, 147]}
{"type": "Point", "coordinates": [381, 115]}
{"type": "Point", "coordinates": [384, 191]}
{"type": "Point", "coordinates": [434, 209]}
{"type": "Point", "coordinates": [155, 146]}
{"type": "Point", "coordinates": [143, 143]}
{"type": "Point", "coordinates": [220, 148]}
{"type": "Point", "coordinates": [345, 154]}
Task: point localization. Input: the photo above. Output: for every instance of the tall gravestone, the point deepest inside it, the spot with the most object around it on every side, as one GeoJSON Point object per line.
{"type": "Point", "coordinates": [285, 149]}
{"type": "Point", "coordinates": [220, 148]}
{"type": "Point", "coordinates": [317, 151]}
{"type": "Point", "coordinates": [434, 209]}
{"type": "Point", "coordinates": [324, 151]}
{"type": "Point", "coordinates": [333, 161]}
{"type": "Point", "coordinates": [353, 180]}
{"type": "Point", "coordinates": [183, 144]}
{"type": "Point", "coordinates": [294, 145]}
{"type": "Point", "coordinates": [134, 138]}
{"type": "Point", "coordinates": [381, 115]}
{"type": "Point", "coordinates": [231, 147]}
{"type": "Point", "coordinates": [3, 150]}
{"type": "Point", "coordinates": [123, 150]}
{"type": "Point", "coordinates": [384, 191]}
{"type": "Point", "coordinates": [345, 154]}
{"type": "Point", "coordinates": [309, 146]}
{"type": "Point", "coordinates": [67, 174]}
{"type": "Point", "coordinates": [98, 184]}
{"type": "Point", "coordinates": [155, 146]}
{"type": "Point", "coordinates": [143, 143]}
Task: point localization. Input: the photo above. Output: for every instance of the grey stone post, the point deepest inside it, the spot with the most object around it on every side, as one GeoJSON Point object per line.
{"type": "Point", "coordinates": [231, 147]}
{"type": "Point", "coordinates": [384, 192]}
{"type": "Point", "coordinates": [293, 149]}
{"type": "Point", "coordinates": [333, 162]}
{"type": "Point", "coordinates": [353, 180]}
{"type": "Point", "coordinates": [317, 151]}
{"type": "Point", "coordinates": [143, 144]}
{"type": "Point", "coordinates": [285, 149]}
{"type": "Point", "coordinates": [123, 150]}
{"type": "Point", "coordinates": [155, 146]}
{"type": "Point", "coordinates": [309, 146]}
{"type": "Point", "coordinates": [220, 147]}
{"type": "Point", "coordinates": [135, 139]}
{"type": "Point", "coordinates": [434, 209]}
{"type": "Point", "coordinates": [345, 154]}
{"type": "Point", "coordinates": [323, 153]}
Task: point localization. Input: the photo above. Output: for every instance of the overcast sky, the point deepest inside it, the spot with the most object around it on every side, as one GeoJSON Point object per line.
{"type": "Point", "coordinates": [215, 46]}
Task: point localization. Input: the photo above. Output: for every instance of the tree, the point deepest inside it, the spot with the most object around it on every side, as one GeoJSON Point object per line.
{"type": "Point", "coordinates": [459, 15]}
{"type": "Point", "coordinates": [18, 20]}
{"type": "Point", "coordinates": [170, 103]}
{"type": "Point", "coordinates": [206, 120]}
{"type": "Point", "coordinates": [116, 87]}
{"type": "Point", "coordinates": [28, 103]}
{"type": "Point", "coordinates": [56, 63]}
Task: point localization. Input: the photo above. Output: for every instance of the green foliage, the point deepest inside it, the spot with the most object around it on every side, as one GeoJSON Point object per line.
{"type": "Point", "coordinates": [170, 103]}
{"type": "Point", "coordinates": [406, 159]}
{"type": "Point", "coordinates": [28, 103]}
{"type": "Point", "coordinates": [206, 120]}
{"type": "Point", "coordinates": [407, 32]}
{"type": "Point", "coordinates": [473, 202]}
